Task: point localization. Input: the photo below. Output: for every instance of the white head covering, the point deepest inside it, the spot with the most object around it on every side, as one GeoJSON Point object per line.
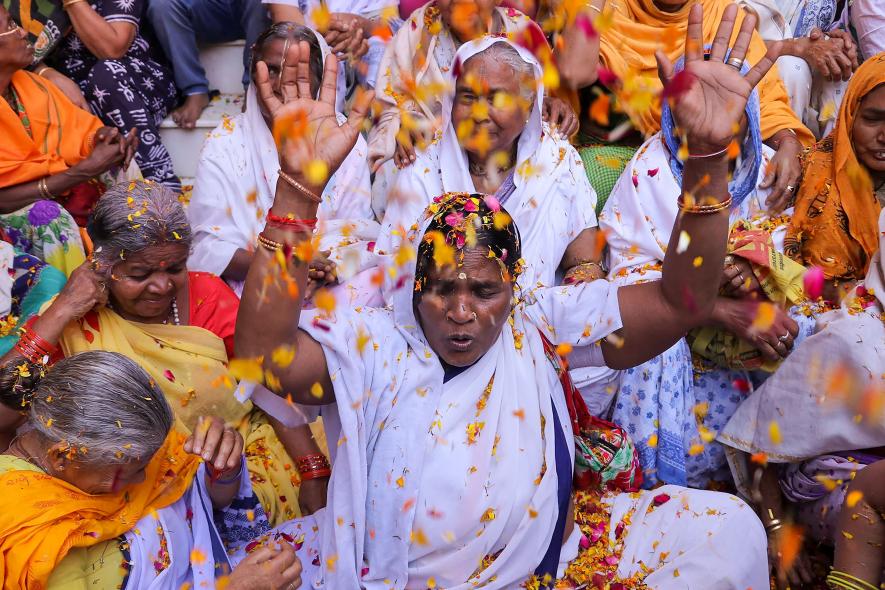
{"type": "Point", "coordinates": [552, 201]}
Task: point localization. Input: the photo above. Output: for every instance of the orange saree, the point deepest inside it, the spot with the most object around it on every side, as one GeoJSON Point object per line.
{"type": "Point", "coordinates": [60, 133]}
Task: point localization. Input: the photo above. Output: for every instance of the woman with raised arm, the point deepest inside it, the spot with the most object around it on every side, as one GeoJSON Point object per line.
{"type": "Point", "coordinates": [455, 453]}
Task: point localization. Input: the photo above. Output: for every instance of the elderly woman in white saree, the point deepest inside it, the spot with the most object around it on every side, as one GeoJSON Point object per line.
{"type": "Point", "coordinates": [455, 453]}
{"type": "Point", "coordinates": [673, 405]}
{"type": "Point", "coordinates": [832, 385]}
{"type": "Point", "coordinates": [238, 171]}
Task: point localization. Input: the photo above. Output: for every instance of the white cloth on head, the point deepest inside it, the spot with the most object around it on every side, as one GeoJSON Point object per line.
{"type": "Point", "coordinates": [361, 7]}
{"type": "Point", "coordinates": [552, 203]}
{"type": "Point", "coordinates": [823, 386]}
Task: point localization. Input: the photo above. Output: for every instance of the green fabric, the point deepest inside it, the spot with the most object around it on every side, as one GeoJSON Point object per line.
{"type": "Point", "coordinates": [603, 165]}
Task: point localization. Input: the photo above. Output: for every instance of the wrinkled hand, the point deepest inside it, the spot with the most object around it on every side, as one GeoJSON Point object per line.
{"type": "Point", "coordinates": [738, 279]}
{"type": "Point", "coordinates": [560, 115]}
{"type": "Point", "coordinates": [267, 568]}
{"type": "Point", "coordinates": [775, 342]}
{"type": "Point", "coordinates": [798, 575]}
{"type": "Point", "coordinates": [68, 87]}
{"type": "Point", "coordinates": [782, 175]}
{"type": "Point", "coordinates": [709, 110]}
{"type": "Point", "coordinates": [312, 495]}
{"type": "Point", "coordinates": [110, 148]}
{"type": "Point", "coordinates": [831, 55]}
{"type": "Point", "coordinates": [219, 445]}
{"type": "Point", "coordinates": [307, 129]}
{"type": "Point", "coordinates": [346, 36]}
{"type": "Point", "coordinates": [85, 290]}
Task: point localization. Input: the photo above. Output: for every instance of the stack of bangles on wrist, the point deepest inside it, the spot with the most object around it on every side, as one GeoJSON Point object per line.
{"type": "Point", "coordinates": [290, 223]}
{"type": "Point", "coordinates": [688, 204]}
{"type": "Point", "coordinates": [314, 466]}
{"type": "Point", "coordinates": [301, 188]}
{"type": "Point", "coordinates": [842, 581]}
{"type": "Point", "coordinates": [33, 347]}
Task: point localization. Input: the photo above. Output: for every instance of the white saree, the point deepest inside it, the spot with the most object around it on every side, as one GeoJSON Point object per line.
{"type": "Point", "coordinates": [453, 484]}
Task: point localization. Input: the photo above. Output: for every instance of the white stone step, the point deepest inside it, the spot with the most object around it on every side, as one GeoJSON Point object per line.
{"type": "Point", "coordinates": [223, 63]}
{"type": "Point", "coordinates": [184, 145]}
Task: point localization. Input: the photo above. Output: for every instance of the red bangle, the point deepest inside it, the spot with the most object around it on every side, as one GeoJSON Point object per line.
{"type": "Point", "coordinates": [289, 220]}
{"type": "Point", "coordinates": [313, 466]}
{"type": "Point", "coordinates": [316, 474]}
{"type": "Point", "coordinates": [33, 347]}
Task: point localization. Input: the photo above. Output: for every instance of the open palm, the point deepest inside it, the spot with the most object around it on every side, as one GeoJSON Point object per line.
{"type": "Point", "coordinates": [709, 110]}
{"type": "Point", "coordinates": [306, 128]}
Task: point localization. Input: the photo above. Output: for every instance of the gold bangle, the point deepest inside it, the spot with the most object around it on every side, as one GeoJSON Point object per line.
{"type": "Point", "coordinates": [300, 188]}
{"type": "Point", "coordinates": [842, 577]}
{"type": "Point", "coordinates": [68, 3]}
{"type": "Point", "coordinates": [43, 188]}
{"type": "Point", "coordinates": [692, 206]}
{"type": "Point", "coordinates": [269, 244]}
{"type": "Point", "coordinates": [41, 70]}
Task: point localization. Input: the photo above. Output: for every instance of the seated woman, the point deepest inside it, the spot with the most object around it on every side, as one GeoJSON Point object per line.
{"type": "Point", "coordinates": [831, 385]}
{"type": "Point", "coordinates": [238, 173]}
{"type": "Point", "coordinates": [412, 81]}
{"type": "Point", "coordinates": [502, 147]}
{"type": "Point", "coordinates": [51, 150]}
{"type": "Point", "coordinates": [627, 49]}
{"type": "Point", "coordinates": [105, 54]}
{"type": "Point", "coordinates": [843, 186]}
{"type": "Point", "coordinates": [675, 403]}
{"type": "Point", "coordinates": [454, 454]}
{"type": "Point", "coordinates": [101, 492]}
{"type": "Point", "coordinates": [138, 298]}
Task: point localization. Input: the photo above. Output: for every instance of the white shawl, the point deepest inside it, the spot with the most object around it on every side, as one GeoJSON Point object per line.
{"type": "Point", "coordinates": [553, 201]}
{"type": "Point", "coordinates": [184, 529]}
{"type": "Point", "coordinates": [412, 495]}
{"type": "Point", "coordinates": [235, 185]}
{"type": "Point", "coordinates": [831, 385]}
{"type": "Point", "coordinates": [640, 213]}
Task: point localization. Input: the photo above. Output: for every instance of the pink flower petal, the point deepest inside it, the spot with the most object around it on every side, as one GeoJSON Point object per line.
{"type": "Point", "coordinates": [813, 281]}
{"type": "Point", "coordinates": [661, 499]}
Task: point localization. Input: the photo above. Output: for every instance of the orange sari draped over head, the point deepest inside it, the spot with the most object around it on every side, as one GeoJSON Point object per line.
{"type": "Point", "coordinates": [42, 518]}
{"type": "Point", "coordinates": [61, 133]}
{"type": "Point", "coordinates": [834, 224]}
{"type": "Point", "coordinates": [639, 28]}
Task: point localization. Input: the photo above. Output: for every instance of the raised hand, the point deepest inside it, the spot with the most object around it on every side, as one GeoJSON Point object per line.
{"type": "Point", "coordinates": [709, 110]}
{"type": "Point", "coordinates": [306, 129]}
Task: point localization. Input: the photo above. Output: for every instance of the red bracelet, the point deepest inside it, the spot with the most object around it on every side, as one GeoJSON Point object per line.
{"type": "Point", "coordinates": [33, 347]}
{"type": "Point", "coordinates": [313, 466]}
{"type": "Point", "coordinates": [289, 220]}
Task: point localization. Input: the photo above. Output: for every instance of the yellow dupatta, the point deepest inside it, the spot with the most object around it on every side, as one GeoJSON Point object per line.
{"type": "Point", "coordinates": [639, 28]}
{"type": "Point", "coordinates": [42, 518]}
{"type": "Point", "coordinates": [188, 363]}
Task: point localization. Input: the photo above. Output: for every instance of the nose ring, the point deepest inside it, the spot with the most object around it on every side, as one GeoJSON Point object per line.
{"type": "Point", "coordinates": [474, 316]}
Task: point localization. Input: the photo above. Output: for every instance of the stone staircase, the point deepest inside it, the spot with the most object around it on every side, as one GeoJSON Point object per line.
{"type": "Point", "coordinates": [224, 69]}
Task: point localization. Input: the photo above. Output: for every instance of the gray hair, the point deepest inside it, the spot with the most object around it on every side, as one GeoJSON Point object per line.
{"type": "Point", "coordinates": [504, 53]}
{"type": "Point", "coordinates": [132, 216]}
{"type": "Point", "coordinates": [102, 405]}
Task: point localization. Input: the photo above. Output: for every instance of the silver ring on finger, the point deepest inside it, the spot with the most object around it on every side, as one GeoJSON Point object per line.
{"type": "Point", "coordinates": [785, 338]}
{"type": "Point", "coordinates": [735, 63]}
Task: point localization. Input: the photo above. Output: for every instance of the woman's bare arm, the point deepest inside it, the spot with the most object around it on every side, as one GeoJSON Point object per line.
{"type": "Point", "coordinates": [655, 315]}
{"type": "Point", "coordinates": [103, 39]}
{"type": "Point", "coordinates": [273, 294]}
